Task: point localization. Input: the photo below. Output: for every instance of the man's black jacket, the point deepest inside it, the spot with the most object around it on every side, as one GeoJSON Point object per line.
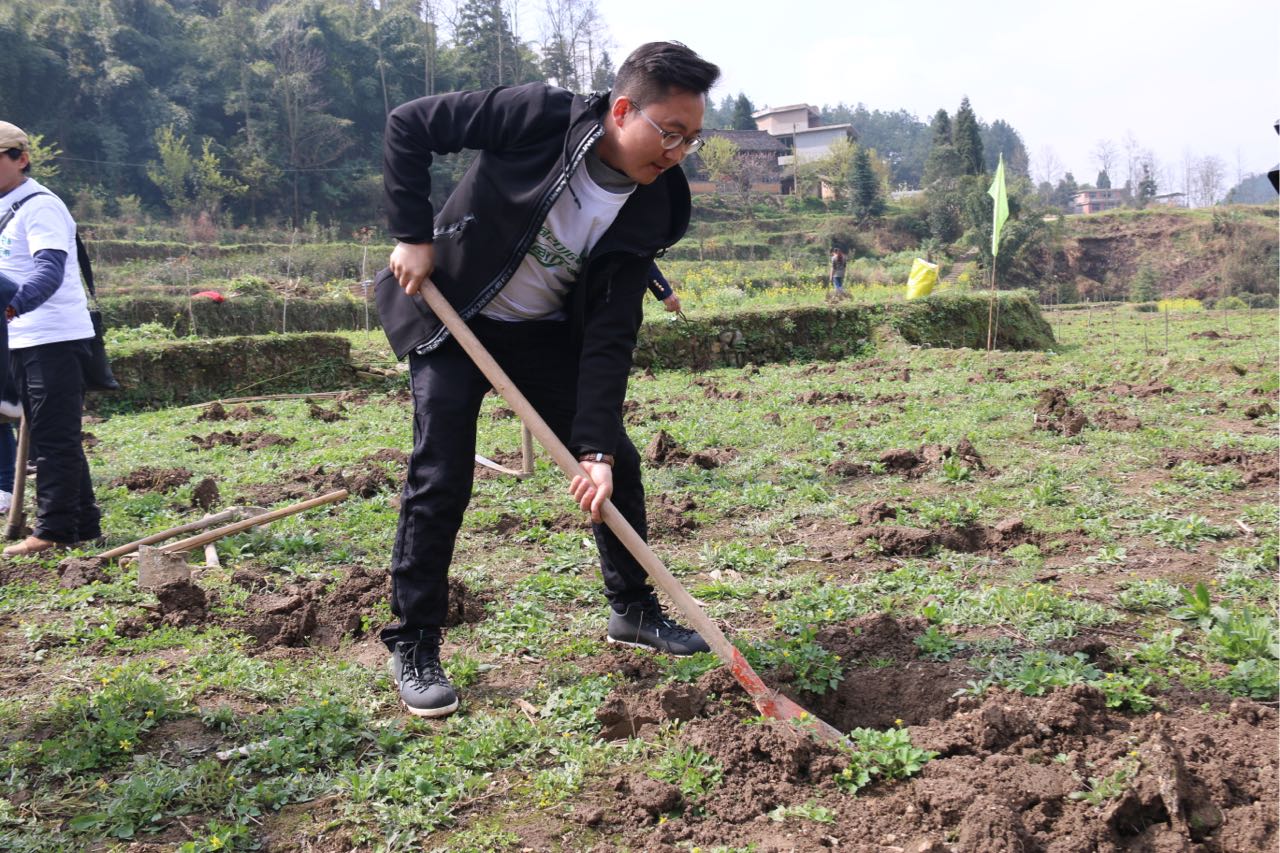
{"type": "Point", "coordinates": [530, 139]}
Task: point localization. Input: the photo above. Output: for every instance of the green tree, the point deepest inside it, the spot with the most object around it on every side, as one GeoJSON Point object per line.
{"type": "Point", "coordinates": [1001, 139]}
{"type": "Point", "coordinates": [1104, 180]}
{"type": "Point", "coordinates": [1146, 187]}
{"type": "Point", "coordinates": [44, 156]}
{"type": "Point", "coordinates": [1064, 194]}
{"type": "Point", "coordinates": [742, 110]}
{"type": "Point", "coordinates": [174, 172]}
{"type": "Point", "coordinates": [968, 140]}
{"type": "Point", "coordinates": [865, 198]}
{"type": "Point", "coordinates": [720, 157]}
{"type": "Point", "coordinates": [211, 185]}
{"type": "Point", "coordinates": [944, 162]}
{"type": "Point", "coordinates": [1143, 286]}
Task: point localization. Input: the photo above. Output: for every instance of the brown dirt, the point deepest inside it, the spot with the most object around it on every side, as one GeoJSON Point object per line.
{"type": "Point", "coordinates": [328, 416]}
{"type": "Point", "coordinates": [1006, 769]}
{"type": "Point", "coordinates": [206, 495]}
{"type": "Point", "coordinates": [1261, 410]}
{"type": "Point", "coordinates": [294, 615]}
{"type": "Point", "coordinates": [900, 541]}
{"type": "Point", "coordinates": [1115, 421]}
{"type": "Point", "coordinates": [915, 463]}
{"type": "Point", "coordinates": [306, 483]}
{"type": "Point", "coordinates": [1256, 467]}
{"type": "Point", "coordinates": [670, 514]}
{"type": "Point", "coordinates": [148, 479]}
{"type": "Point", "coordinates": [663, 451]}
{"type": "Point", "coordinates": [251, 440]}
{"type": "Point", "coordinates": [74, 572]}
{"type": "Point", "coordinates": [1054, 413]}
{"type": "Point", "coordinates": [819, 398]}
{"type": "Point", "coordinates": [217, 412]}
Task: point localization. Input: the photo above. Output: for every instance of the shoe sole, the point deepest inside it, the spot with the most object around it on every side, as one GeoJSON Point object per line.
{"type": "Point", "coordinates": [421, 712]}
{"type": "Point", "coordinates": [649, 647]}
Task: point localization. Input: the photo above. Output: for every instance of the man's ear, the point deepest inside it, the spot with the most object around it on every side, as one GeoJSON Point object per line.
{"type": "Point", "coordinates": [620, 108]}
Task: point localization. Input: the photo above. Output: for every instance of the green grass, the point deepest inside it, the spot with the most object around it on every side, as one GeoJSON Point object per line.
{"type": "Point", "coordinates": [1155, 558]}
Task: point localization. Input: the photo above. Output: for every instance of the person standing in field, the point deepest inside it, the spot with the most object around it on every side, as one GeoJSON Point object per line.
{"type": "Point", "coordinates": [838, 261]}
{"type": "Point", "coordinates": [49, 336]}
{"type": "Point", "coordinates": [545, 248]}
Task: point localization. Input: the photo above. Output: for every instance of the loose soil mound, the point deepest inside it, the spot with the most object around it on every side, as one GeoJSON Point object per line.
{"type": "Point", "coordinates": [244, 440]}
{"type": "Point", "coordinates": [217, 412]}
{"type": "Point", "coordinates": [300, 485]}
{"type": "Point", "coordinates": [1256, 467]}
{"type": "Point", "coordinates": [148, 479]}
{"type": "Point", "coordinates": [664, 451]}
{"type": "Point", "coordinates": [899, 541]}
{"type": "Point", "coordinates": [1011, 772]}
{"type": "Point", "coordinates": [296, 614]}
{"type": "Point", "coordinates": [1054, 413]}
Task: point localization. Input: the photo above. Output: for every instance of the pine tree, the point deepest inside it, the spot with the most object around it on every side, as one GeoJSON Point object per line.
{"type": "Point", "coordinates": [742, 110]}
{"type": "Point", "coordinates": [1104, 180]}
{"type": "Point", "coordinates": [968, 140]}
{"type": "Point", "coordinates": [866, 200]}
{"type": "Point", "coordinates": [942, 163]}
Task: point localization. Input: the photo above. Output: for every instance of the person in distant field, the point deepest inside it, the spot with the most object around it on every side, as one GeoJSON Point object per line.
{"type": "Point", "coordinates": [545, 248]}
{"type": "Point", "coordinates": [49, 335]}
{"type": "Point", "coordinates": [838, 261]}
{"type": "Point", "coordinates": [662, 290]}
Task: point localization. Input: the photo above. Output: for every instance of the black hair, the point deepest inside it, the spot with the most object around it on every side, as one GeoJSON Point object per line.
{"type": "Point", "coordinates": [654, 69]}
{"type": "Point", "coordinates": [15, 154]}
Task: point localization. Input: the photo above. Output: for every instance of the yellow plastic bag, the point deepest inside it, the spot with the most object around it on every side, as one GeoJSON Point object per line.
{"type": "Point", "coordinates": [924, 276]}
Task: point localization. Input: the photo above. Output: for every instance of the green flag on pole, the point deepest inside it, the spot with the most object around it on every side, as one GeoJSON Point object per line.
{"type": "Point", "coordinates": [1001, 207]}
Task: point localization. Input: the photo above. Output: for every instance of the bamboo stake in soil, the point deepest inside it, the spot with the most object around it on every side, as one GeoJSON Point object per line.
{"type": "Point", "coordinates": [770, 702]}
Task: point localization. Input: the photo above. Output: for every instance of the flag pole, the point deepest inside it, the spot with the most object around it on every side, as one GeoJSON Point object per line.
{"type": "Point", "coordinates": [999, 213]}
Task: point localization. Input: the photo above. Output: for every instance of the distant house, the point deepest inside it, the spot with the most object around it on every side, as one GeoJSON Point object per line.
{"type": "Point", "coordinates": [1096, 201]}
{"type": "Point", "coordinates": [1169, 200]}
{"type": "Point", "coordinates": [797, 128]}
{"type": "Point", "coordinates": [754, 144]}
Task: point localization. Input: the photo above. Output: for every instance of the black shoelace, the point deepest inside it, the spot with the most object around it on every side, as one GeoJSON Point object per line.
{"type": "Point", "coordinates": [654, 615]}
{"type": "Point", "coordinates": [422, 664]}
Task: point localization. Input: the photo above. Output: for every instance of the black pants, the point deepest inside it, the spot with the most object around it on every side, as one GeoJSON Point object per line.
{"type": "Point", "coordinates": [447, 390]}
{"type": "Point", "coordinates": [52, 387]}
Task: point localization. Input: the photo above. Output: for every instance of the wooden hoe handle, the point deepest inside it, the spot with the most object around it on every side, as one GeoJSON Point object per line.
{"type": "Point", "coordinates": [770, 702]}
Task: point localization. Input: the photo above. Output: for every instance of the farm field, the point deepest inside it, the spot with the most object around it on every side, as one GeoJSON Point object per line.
{"type": "Point", "coordinates": [1037, 588]}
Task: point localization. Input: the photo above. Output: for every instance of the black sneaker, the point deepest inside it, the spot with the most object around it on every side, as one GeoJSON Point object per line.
{"type": "Point", "coordinates": [644, 624]}
{"type": "Point", "coordinates": [424, 688]}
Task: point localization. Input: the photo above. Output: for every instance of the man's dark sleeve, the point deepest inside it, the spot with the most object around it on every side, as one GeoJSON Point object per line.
{"type": "Point", "coordinates": [658, 284]}
{"type": "Point", "coordinates": [613, 316]}
{"type": "Point", "coordinates": [51, 265]}
{"type": "Point", "coordinates": [493, 120]}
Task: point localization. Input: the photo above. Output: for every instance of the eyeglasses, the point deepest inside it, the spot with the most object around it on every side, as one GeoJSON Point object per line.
{"type": "Point", "coordinates": [672, 140]}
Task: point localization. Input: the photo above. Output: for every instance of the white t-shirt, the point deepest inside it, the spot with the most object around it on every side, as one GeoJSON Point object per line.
{"type": "Point", "coordinates": [538, 288]}
{"type": "Point", "coordinates": [43, 223]}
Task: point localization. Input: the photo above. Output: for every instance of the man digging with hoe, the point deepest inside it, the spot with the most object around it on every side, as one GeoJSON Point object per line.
{"type": "Point", "coordinates": [544, 248]}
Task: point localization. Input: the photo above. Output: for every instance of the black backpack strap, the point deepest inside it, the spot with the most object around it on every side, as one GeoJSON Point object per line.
{"type": "Point", "coordinates": [86, 268]}
{"type": "Point", "coordinates": [13, 208]}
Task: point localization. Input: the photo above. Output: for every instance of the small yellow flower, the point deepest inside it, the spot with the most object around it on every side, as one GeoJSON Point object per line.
{"type": "Point", "coordinates": [126, 744]}
{"type": "Point", "coordinates": [898, 723]}
{"type": "Point", "coordinates": [1133, 753]}
{"type": "Point", "coordinates": [102, 784]}
{"type": "Point", "coordinates": [1109, 675]}
{"type": "Point", "coordinates": [662, 820]}
{"type": "Point", "coordinates": [804, 715]}
{"type": "Point", "coordinates": [150, 714]}
{"type": "Point", "coordinates": [105, 681]}
{"type": "Point", "coordinates": [215, 842]}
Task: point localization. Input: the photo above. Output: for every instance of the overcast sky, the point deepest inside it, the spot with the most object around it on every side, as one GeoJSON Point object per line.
{"type": "Point", "coordinates": [1180, 77]}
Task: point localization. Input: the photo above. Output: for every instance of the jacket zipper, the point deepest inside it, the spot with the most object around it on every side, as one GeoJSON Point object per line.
{"type": "Point", "coordinates": [540, 214]}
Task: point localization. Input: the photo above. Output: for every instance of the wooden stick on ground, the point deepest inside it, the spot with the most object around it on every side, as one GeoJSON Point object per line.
{"type": "Point", "coordinates": [231, 514]}
{"type": "Point", "coordinates": [202, 539]}
{"type": "Point", "coordinates": [17, 512]}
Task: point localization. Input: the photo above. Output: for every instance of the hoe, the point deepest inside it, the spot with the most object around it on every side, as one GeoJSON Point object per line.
{"type": "Point", "coordinates": [771, 703]}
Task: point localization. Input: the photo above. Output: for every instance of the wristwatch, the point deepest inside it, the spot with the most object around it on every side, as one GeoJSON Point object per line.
{"type": "Point", "coordinates": [606, 458]}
